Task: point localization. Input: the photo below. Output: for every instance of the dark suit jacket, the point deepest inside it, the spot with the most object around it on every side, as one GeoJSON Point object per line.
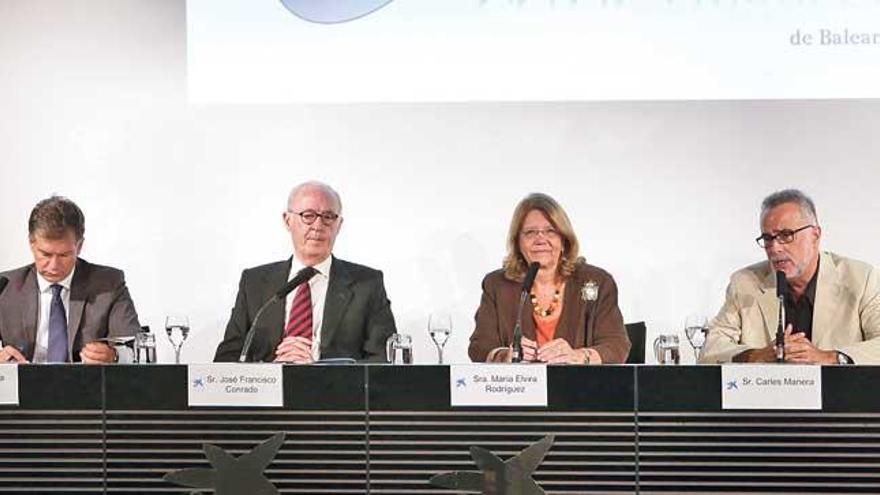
{"type": "Point", "coordinates": [100, 306]}
{"type": "Point", "coordinates": [357, 314]}
{"type": "Point", "coordinates": [496, 316]}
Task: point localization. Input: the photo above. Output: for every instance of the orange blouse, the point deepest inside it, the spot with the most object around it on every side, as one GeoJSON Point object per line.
{"type": "Point", "coordinates": [545, 328]}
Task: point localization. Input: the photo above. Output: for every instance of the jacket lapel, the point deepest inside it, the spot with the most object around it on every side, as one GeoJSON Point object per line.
{"type": "Point", "coordinates": [78, 298]}
{"type": "Point", "coordinates": [274, 316]}
{"type": "Point", "coordinates": [827, 303]}
{"type": "Point", "coordinates": [339, 293]}
{"type": "Point", "coordinates": [573, 307]}
{"type": "Point", "coordinates": [30, 312]}
{"type": "Point", "coordinates": [769, 304]}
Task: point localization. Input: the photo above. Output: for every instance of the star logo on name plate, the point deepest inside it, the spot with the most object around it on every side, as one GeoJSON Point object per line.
{"type": "Point", "coordinates": [229, 475]}
{"type": "Point", "coordinates": [732, 385]}
{"type": "Point", "coordinates": [513, 476]}
{"type": "Point", "coordinates": [199, 383]}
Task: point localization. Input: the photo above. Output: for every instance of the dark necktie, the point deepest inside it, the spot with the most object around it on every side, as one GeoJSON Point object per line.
{"type": "Point", "coordinates": [299, 323]}
{"type": "Point", "coordinates": [57, 328]}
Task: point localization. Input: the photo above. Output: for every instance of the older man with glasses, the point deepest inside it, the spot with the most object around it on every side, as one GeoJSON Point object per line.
{"type": "Point", "coordinates": [341, 311]}
{"type": "Point", "coordinates": [832, 307]}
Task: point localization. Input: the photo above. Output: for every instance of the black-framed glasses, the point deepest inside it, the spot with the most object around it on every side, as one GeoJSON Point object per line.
{"type": "Point", "coordinates": [308, 217]}
{"type": "Point", "coordinates": [782, 237]}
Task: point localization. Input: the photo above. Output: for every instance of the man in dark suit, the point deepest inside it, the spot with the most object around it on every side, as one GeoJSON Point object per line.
{"type": "Point", "coordinates": [57, 308]}
{"type": "Point", "coordinates": [341, 312]}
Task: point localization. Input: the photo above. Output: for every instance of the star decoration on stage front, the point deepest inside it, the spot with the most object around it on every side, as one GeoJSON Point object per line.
{"type": "Point", "coordinates": [510, 477]}
{"type": "Point", "coordinates": [231, 476]}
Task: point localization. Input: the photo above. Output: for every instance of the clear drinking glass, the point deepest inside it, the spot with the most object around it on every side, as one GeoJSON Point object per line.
{"type": "Point", "coordinates": [177, 328]}
{"type": "Point", "coordinates": [145, 347]}
{"type": "Point", "coordinates": [666, 349]}
{"type": "Point", "coordinates": [398, 349]}
{"type": "Point", "coordinates": [695, 328]}
{"type": "Point", "coordinates": [439, 327]}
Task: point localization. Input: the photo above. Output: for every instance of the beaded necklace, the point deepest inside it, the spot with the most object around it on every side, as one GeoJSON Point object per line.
{"type": "Point", "coordinates": [545, 312]}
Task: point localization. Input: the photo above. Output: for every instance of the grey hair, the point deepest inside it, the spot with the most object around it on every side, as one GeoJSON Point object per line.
{"type": "Point", "coordinates": [313, 184]}
{"type": "Point", "coordinates": [808, 209]}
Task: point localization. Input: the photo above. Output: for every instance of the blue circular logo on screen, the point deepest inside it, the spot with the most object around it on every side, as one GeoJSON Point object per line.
{"type": "Point", "coordinates": [333, 11]}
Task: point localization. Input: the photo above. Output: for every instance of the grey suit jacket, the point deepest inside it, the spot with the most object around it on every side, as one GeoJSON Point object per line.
{"type": "Point", "coordinates": [357, 314]}
{"type": "Point", "coordinates": [846, 317]}
{"type": "Point", "coordinates": [100, 306]}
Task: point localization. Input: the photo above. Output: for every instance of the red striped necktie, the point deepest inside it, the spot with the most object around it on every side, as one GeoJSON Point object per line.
{"type": "Point", "coordinates": [299, 322]}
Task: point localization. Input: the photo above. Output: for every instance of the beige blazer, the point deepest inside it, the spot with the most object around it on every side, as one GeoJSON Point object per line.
{"type": "Point", "coordinates": [846, 317]}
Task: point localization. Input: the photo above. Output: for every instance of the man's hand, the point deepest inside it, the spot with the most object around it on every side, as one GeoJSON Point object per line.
{"type": "Point", "coordinates": [798, 349]}
{"type": "Point", "coordinates": [98, 353]}
{"type": "Point", "coordinates": [10, 354]}
{"type": "Point", "coordinates": [294, 350]}
{"type": "Point", "coordinates": [762, 355]}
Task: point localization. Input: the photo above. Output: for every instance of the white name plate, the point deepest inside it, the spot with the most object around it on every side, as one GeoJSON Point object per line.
{"type": "Point", "coordinates": [771, 386]}
{"type": "Point", "coordinates": [233, 384]}
{"type": "Point", "coordinates": [506, 385]}
{"type": "Point", "coordinates": [9, 384]}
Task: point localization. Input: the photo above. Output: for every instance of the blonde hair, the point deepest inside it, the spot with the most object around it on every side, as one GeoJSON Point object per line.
{"type": "Point", "coordinates": [515, 265]}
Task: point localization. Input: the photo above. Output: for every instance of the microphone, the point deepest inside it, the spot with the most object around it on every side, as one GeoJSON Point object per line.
{"type": "Point", "coordinates": [3, 282]}
{"type": "Point", "coordinates": [528, 281]}
{"type": "Point", "coordinates": [781, 292]}
{"type": "Point", "coordinates": [302, 276]}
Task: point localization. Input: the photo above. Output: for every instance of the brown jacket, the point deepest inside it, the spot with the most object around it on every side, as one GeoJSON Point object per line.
{"type": "Point", "coordinates": [496, 316]}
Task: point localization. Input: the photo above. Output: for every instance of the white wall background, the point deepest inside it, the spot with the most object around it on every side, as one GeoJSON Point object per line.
{"type": "Point", "coordinates": [664, 195]}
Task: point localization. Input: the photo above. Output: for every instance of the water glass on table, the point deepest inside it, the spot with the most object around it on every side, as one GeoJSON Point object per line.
{"type": "Point", "coordinates": [177, 329]}
{"type": "Point", "coordinates": [439, 328]}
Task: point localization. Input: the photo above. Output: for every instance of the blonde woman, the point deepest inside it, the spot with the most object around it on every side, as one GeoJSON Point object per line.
{"type": "Point", "coordinates": [571, 315]}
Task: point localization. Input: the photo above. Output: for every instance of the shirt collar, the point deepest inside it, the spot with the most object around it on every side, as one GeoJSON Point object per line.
{"type": "Point", "coordinates": [323, 267]}
{"type": "Point", "coordinates": [46, 286]}
{"type": "Point", "coordinates": [809, 292]}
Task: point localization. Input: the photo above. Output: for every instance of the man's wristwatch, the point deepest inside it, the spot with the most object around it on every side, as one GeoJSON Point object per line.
{"type": "Point", "coordinates": [843, 358]}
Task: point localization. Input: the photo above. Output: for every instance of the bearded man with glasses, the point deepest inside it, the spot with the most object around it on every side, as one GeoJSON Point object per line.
{"type": "Point", "coordinates": [832, 307]}
{"type": "Point", "coordinates": [342, 311]}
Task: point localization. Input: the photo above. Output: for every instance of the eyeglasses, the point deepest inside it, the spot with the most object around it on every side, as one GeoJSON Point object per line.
{"type": "Point", "coordinates": [308, 217]}
{"type": "Point", "coordinates": [532, 234]}
{"type": "Point", "coordinates": [783, 237]}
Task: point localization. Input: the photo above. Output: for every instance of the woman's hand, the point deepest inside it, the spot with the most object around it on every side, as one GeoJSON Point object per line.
{"type": "Point", "coordinates": [505, 354]}
{"type": "Point", "coordinates": [558, 351]}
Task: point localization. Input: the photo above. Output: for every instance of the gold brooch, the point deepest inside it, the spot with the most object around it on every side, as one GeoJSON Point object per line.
{"type": "Point", "coordinates": [590, 291]}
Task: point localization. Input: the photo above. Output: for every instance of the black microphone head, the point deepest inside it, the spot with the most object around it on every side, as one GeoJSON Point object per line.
{"type": "Point", "coordinates": [530, 276]}
{"type": "Point", "coordinates": [300, 277]}
{"type": "Point", "coordinates": [3, 282]}
{"type": "Point", "coordinates": [781, 284]}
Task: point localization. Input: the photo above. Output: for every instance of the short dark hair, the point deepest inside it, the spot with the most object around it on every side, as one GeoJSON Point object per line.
{"type": "Point", "coordinates": [808, 208]}
{"type": "Point", "coordinates": [54, 217]}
